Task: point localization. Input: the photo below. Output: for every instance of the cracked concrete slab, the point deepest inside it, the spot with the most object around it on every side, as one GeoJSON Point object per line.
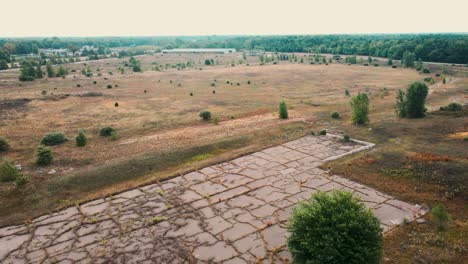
{"type": "Point", "coordinates": [233, 212]}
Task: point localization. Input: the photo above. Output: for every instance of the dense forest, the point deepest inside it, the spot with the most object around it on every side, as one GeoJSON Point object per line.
{"type": "Point", "coordinates": [450, 48]}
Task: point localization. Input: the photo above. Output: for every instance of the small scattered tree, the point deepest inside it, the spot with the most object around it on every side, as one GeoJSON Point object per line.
{"type": "Point", "coordinates": [347, 93]}
{"type": "Point", "coordinates": [27, 72]}
{"type": "Point", "coordinates": [8, 171]}
{"type": "Point", "coordinates": [205, 115]}
{"type": "Point", "coordinates": [106, 131]}
{"type": "Point", "coordinates": [440, 216]}
{"type": "Point", "coordinates": [408, 59]}
{"type": "Point", "coordinates": [4, 146]}
{"type": "Point", "coordinates": [39, 74]}
{"type": "Point", "coordinates": [360, 108]}
{"type": "Point", "coordinates": [412, 103]}
{"type": "Point", "coordinates": [335, 115]}
{"type": "Point", "coordinates": [62, 71]}
{"type": "Point", "coordinates": [50, 70]}
{"type": "Point", "coordinates": [283, 110]}
{"type": "Point", "coordinates": [44, 156]}
{"type": "Point", "coordinates": [81, 139]}
{"type": "Point", "coordinates": [334, 228]}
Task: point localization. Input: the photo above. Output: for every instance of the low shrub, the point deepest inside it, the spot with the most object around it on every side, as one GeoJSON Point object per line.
{"type": "Point", "coordinates": [205, 115]}
{"type": "Point", "coordinates": [8, 171]}
{"type": "Point", "coordinates": [213, 91]}
{"type": "Point", "coordinates": [346, 138]}
{"type": "Point", "coordinates": [106, 131]}
{"type": "Point", "coordinates": [114, 135]}
{"type": "Point", "coordinates": [216, 120]}
{"type": "Point", "coordinates": [21, 180]}
{"type": "Point", "coordinates": [426, 70]}
{"type": "Point", "coordinates": [116, 104]}
{"type": "Point", "coordinates": [335, 115]}
{"type": "Point", "coordinates": [428, 79]}
{"type": "Point", "coordinates": [454, 107]}
{"type": "Point", "coordinates": [394, 66]}
{"type": "Point", "coordinates": [323, 132]}
{"type": "Point", "coordinates": [109, 86]}
{"type": "Point", "coordinates": [312, 133]}
{"type": "Point", "coordinates": [191, 94]}
{"type": "Point", "coordinates": [334, 228]}
{"type": "Point", "coordinates": [53, 139]}
{"type": "Point", "coordinates": [44, 156]}
{"type": "Point", "coordinates": [4, 146]}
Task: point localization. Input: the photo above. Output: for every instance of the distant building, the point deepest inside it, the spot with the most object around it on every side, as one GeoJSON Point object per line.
{"type": "Point", "coordinates": [254, 52]}
{"type": "Point", "coordinates": [220, 51]}
{"type": "Point", "coordinates": [55, 52]}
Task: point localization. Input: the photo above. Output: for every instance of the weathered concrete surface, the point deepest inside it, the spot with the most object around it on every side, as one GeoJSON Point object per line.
{"type": "Point", "coordinates": [233, 212]}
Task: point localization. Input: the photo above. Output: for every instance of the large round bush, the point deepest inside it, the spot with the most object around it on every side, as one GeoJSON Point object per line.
{"type": "Point", "coordinates": [334, 228]}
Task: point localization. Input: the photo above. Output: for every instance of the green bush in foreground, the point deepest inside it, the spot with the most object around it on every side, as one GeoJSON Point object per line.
{"type": "Point", "coordinates": [53, 139]}
{"type": "Point", "coordinates": [283, 110]}
{"type": "Point", "coordinates": [81, 139]}
{"type": "Point", "coordinates": [44, 156]}
{"type": "Point", "coordinates": [334, 228]}
{"type": "Point", "coordinates": [106, 131]}
{"type": "Point", "coordinates": [4, 146]}
{"type": "Point", "coordinates": [8, 171]}
{"type": "Point", "coordinates": [205, 115]}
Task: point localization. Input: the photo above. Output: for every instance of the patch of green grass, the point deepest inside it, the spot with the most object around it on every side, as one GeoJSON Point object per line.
{"type": "Point", "coordinates": [202, 156]}
{"type": "Point", "coordinates": [158, 219]}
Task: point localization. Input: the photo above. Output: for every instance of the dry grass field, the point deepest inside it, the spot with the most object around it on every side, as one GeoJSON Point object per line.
{"type": "Point", "coordinates": [160, 133]}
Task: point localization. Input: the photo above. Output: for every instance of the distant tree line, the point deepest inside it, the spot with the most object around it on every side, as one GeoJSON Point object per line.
{"type": "Point", "coordinates": [449, 48]}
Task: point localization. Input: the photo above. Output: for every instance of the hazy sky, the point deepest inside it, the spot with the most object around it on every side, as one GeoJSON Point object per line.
{"type": "Point", "coordinates": [221, 17]}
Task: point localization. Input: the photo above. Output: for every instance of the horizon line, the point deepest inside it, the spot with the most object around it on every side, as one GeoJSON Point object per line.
{"type": "Point", "coordinates": [236, 35]}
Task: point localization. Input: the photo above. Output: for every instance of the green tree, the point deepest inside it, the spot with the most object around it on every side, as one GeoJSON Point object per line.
{"type": "Point", "coordinates": [408, 59]}
{"type": "Point", "coordinates": [81, 139]}
{"type": "Point", "coordinates": [39, 74]}
{"type": "Point", "coordinates": [50, 70]}
{"type": "Point", "coordinates": [360, 108]}
{"type": "Point", "coordinates": [3, 65]}
{"type": "Point", "coordinates": [390, 62]}
{"type": "Point", "coordinates": [440, 216]}
{"type": "Point", "coordinates": [283, 110]}
{"type": "Point", "coordinates": [334, 228]}
{"type": "Point", "coordinates": [27, 72]}
{"type": "Point", "coordinates": [62, 71]}
{"type": "Point", "coordinates": [44, 156]}
{"type": "Point", "coordinates": [411, 104]}
{"type": "Point", "coordinates": [8, 171]}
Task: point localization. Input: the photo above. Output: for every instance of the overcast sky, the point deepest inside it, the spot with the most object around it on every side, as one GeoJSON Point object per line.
{"type": "Point", "coordinates": [234, 17]}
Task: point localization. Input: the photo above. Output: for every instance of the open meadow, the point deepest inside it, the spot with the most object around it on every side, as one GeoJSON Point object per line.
{"type": "Point", "coordinates": [159, 133]}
